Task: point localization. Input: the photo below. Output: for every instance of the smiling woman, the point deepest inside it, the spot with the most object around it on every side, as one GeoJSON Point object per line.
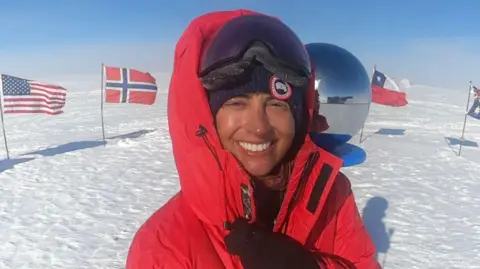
{"type": "Point", "coordinates": [257, 128]}
{"type": "Point", "coordinates": [256, 193]}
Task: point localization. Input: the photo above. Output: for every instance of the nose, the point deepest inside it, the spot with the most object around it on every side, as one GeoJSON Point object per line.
{"type": "Point", "coordinates": [258, 122]}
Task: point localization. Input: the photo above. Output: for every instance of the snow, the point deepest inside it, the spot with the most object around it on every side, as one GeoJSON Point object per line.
{"type": "Point", "coordinates": [68, 201]}
{"type": "Point", "coordinates": [432, 193]}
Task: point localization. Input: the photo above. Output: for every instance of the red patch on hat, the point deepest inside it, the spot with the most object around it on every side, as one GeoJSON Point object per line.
{"type": "Point", "coordinates": [280, 89]}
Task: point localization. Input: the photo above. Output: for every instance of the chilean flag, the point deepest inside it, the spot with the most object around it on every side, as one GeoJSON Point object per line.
{"type": "Point", "coordinates": [383, 96]}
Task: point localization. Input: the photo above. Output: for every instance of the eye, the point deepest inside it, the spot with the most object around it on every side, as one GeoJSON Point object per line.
{"type": "Point", "coordinates": [236, 102]}
{"type": "Point", "coordinates": [278, 104]}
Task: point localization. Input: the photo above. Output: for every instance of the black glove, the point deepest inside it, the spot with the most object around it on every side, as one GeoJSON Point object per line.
{"type": "Point", "coordinates": [262, 249]}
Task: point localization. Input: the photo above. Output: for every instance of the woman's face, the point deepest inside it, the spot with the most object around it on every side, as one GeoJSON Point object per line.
{"type": "Point", "coordinates": [257, 129]}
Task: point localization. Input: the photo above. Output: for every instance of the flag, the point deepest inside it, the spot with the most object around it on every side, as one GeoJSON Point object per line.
{"type": "Point", "coordinates": [29, 96]}
{"type": "Point", "coordinates": [476, 92]}
{"type": "Point", "coordinates": [476, 103]}
{"type": "Point", "coordinates": [385, 96]}
{"type": "Point", "coordinates": [127, 85]}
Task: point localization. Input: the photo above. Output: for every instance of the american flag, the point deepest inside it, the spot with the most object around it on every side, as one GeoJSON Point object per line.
{"type": "Point", "coordinates": [28, 96]}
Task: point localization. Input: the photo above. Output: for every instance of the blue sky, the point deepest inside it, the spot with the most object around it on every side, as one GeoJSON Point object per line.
{"type": "Point", "coordinates": [436, 43]}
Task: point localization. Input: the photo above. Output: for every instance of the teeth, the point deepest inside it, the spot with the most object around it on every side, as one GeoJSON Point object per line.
{"type": "Point", "coordinates": [255, 147]}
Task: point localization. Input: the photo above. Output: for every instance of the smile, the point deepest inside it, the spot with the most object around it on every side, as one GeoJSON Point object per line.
{"type": "Point", "coordinates": [255, 147]}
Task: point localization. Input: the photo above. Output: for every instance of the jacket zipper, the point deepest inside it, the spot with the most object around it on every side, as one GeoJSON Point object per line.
{"type": "Point", "coordinates": [311, 161]}
{"type": "Point", "coordinates": [202, 132]}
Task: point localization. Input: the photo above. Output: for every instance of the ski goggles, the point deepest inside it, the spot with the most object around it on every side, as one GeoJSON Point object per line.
{"type": "Point", "coordinates": [247, 40]}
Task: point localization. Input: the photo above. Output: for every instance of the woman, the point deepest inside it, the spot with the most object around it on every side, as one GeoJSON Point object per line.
{"type": "Point", "coordinates": [255, 191]}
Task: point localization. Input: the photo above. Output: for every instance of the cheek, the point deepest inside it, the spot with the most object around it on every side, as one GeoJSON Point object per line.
{"type": "Point", "coordinates": [283, 123]}
{"type": "Point", "coordinates": [226, 124]}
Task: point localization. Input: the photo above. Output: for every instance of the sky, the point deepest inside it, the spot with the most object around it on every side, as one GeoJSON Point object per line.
{"type": "Point", "coordinates": [431, 43]}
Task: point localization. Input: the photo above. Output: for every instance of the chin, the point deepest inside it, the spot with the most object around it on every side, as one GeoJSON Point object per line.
{"type": "Point", "coordinates": [259, 172]}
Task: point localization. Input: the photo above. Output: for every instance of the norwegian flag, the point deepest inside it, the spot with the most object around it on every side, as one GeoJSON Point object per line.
{"type": "Point", "coordinates": [127, 85]}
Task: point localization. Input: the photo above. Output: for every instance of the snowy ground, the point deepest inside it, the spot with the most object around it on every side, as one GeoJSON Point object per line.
{"type": "Point", "coordinates": [433, 195]}
{"type": "Point", "coordinates": [68, 201]}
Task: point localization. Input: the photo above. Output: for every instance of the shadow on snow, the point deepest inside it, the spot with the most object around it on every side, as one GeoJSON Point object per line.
{"type": "Point", "coordinates": [454, 141]}
{"type": "Point", "coordinates": [7, 164]}
{"type": "Point", "coordinates": [386, 131]}
{"type": "Point", "coordinates": [373, 214]}
{"type": "Point", "coordinates": [10, 163]}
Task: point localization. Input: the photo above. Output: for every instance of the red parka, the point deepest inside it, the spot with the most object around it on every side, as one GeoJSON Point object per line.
{"type": "Point", "coordinates": [188, 232]}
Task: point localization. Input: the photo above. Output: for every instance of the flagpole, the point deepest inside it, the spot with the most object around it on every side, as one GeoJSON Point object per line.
{"type": "Point", "coordinates": [102, 90]}
{"type": "Point", "coordinates": [363, 126]}
{"type": "Point", "coordinates": [3, 122]}
{"type": "Point", "coordinates": [465, 120]}
{"type": "Point", "coordinates": [361, 133]}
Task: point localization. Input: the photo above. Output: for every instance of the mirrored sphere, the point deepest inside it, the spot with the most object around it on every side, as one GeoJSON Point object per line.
{"type": "Point", "coordinates": [344, 92]}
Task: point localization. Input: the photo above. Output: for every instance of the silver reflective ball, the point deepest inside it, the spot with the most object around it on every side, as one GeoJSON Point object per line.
{"type": "Point", "coordinates": [344, 91]}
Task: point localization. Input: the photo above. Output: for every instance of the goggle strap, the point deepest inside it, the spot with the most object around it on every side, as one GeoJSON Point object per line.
{"type": "Point", "coordinates": [258, 52]}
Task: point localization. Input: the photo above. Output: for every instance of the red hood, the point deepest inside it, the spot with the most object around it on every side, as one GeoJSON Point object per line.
{"type": "Point", "coordinates": [211, 192]}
